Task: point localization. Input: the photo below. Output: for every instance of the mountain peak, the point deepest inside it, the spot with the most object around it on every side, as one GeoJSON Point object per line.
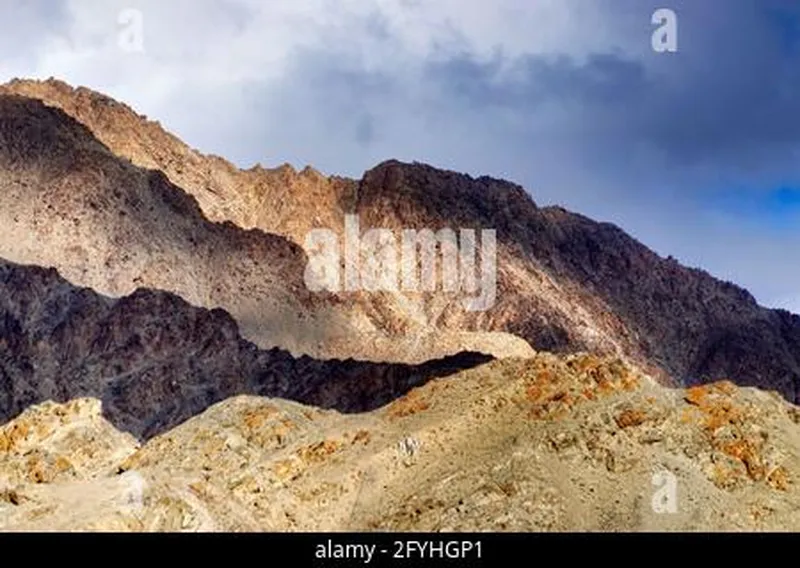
{"type": "Point", "coordinates": [177, 332]}
{"type": "Point", "coordinates": [564, 281]}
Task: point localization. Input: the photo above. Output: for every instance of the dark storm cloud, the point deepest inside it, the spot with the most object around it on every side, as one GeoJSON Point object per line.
{"type": "Point", "coordinates": [730, 96]}
{"type": "Point", "coordinates": [637, 139]}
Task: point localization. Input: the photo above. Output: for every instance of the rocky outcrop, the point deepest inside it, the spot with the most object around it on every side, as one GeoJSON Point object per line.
{"type": "Point", "coordinates": [572, 283]}
{"type": "Point", "coordinates": [550, 443]}
{"type": "Point", "coordinates": [155, 361]}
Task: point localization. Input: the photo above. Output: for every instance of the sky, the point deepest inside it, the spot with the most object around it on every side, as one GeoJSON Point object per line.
{"type": "Point", "coordinates": [695, 151]}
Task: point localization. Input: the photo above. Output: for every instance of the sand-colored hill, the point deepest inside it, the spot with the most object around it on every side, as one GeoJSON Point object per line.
{"type": "Point", "coordinates": [544, 444]}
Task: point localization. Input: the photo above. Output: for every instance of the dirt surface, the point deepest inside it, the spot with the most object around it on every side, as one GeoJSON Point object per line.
{"type": "Point", "coordinates": [541, 444]}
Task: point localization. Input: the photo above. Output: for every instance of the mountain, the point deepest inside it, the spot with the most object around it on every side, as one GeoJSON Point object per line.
{"type": "Point", "coordinates": [154, 360]}
{"type": "Point", "coordinates": [544, 443]}
{"type": "Point", "coordinates": [167, 365]}
{"type": "Point", "coordinates": [268, 199]}
{"type": "Point", "coordinates": [66, 201]}
{"type": "Point", "coordinates": [572, 283]}
{"type": "Point", "coordinates": [564, 283]}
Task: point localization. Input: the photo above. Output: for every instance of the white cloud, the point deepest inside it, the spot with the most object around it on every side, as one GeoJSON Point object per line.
{"type": "Point", "coordinates": [343, 84]}
{"type": "Point", "coordinates": [232, 41]}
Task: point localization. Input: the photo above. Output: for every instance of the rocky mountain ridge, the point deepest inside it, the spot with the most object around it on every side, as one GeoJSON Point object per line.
{"type": "Point", "coordinates": [68, 202]}
{"type": "Point", "coordinates": [564, 282]}
{"type": "Point", "coordinates": [154, 360]}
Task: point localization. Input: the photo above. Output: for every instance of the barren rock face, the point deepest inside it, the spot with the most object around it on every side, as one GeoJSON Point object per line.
{"type": "Point", "coordinates": [569, 282]}
{"type": "Point", "coordinates": [155, 360]}
{"type": "Point", "coordinates": [68, 202]}
{"type": "Point", "coordinates": [564, 282]}
{"type": "Point", "coordinates": [269, 199]}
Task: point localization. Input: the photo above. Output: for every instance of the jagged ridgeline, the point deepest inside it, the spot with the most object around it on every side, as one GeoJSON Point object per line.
{"type": "Point", "coordinates": [564, 283]}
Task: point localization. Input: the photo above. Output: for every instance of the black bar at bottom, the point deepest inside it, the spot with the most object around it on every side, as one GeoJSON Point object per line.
{"type": "Point", "coordinates": [400, 549]}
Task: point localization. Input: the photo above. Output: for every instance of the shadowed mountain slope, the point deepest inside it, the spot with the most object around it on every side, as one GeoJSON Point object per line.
{"type": "Point", "coordinates": [604, 286]}
{"type": "Point", "coordinates": [155, 361]}
{"type": "Point", "coordinates": [564, 282]}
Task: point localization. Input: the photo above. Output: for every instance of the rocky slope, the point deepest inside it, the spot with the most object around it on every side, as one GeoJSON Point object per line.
{"type": "Point", "coordinates": [564, 282]}
{"type": "Point", "coordinates": [569, 282]}
{"type": "Point", "coordinates": [144, 413]}
{"type": "Point", "coordinates": [154, 360]}
{"type": "Point", "coordinates": [66, 201]}
{"type": "Point", "coordinates": [269, 199]}
{"type": "Point", "coordinates": [549, 443]}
